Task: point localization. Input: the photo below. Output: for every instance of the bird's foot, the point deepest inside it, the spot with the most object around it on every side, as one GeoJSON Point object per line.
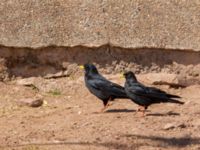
{"type": "Point", "coordinates": [141, 111]}
{"type": "Point", "coordinates": [141, 114]}
{"type": "Point", "coordinates": [104, 109]}
{"type": "Point", "coordinates": [109, 104]}
{"type": "Point", "coordinates": [97, 112]}
{"type": "Point", "coordinates": [100, 111]}
{"type": "Point", "coordinates": [140, 108]}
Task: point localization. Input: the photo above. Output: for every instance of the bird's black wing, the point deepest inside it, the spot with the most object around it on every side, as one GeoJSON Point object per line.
{"type": "Point", "coordinates": [138, 89]}
{"type": "Point", "coordinates": [107, 87]}
{"type": "Point", "coordinates": [141, 90]}
{"type": "Point", "coordinates": [154, 90]}
{"type": "Point", "coordinates": [151, 92]}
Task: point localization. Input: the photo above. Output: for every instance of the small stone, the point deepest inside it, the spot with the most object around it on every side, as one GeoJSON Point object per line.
{"type": "Point", "coordinates": [26, 81]}
{"type": "Point", "coordinates": [98, 139]}
{"type": "Point", "coordinates": [169, 126]}
{"type": "Point", "coordinates": [182, 125]}
{"type": "Point", "coordinates": [55, 75]}
{"type": "Point", "coordinates": [69, 97]}
{"type": "Point", "coordinates": [31, 102]}
{"type": "Point", "coordinates": [36, 103]}
{"type": "Point", "coordinates": [45, 103]}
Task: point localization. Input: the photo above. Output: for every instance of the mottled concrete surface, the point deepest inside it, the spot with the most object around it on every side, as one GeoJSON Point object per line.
{"type": "Point", "coordinates": [172, 24]}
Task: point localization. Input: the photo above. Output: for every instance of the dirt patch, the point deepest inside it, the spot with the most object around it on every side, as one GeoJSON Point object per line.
{"type": "Point", "coordinates": [68, 120]}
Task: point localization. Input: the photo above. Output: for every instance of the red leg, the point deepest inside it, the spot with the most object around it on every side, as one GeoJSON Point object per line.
{"type": "Point", "coordinates": [139, 109]}
{"type": "Point", "coordinates": [104, 108]}
{"type": "Point", "coordinates": [142, 110]}
{"type": "Point", "coordinates": [106, 104]}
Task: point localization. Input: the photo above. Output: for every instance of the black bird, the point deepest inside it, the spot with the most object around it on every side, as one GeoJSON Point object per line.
{"type": "Point", "coordinates": [145, 96]}
{"type": "Point", "coordinates": [101, 87]}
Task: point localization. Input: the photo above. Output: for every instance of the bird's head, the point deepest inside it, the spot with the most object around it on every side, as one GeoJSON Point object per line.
{"type": "Point", "coordinates": [130, 75]}
{"type": "Point", "coordinates": [89, 68]}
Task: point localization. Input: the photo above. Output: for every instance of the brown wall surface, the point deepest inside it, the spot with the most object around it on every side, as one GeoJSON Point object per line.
{"type": "Point", "coordinates": [172, 24]}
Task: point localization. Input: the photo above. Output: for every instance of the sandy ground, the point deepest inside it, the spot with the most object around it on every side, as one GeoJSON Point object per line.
{"type": "Point", "coordinates": [68, 120]}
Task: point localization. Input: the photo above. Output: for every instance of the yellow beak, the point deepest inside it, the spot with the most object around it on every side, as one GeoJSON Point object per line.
{"type": "Point", "coordinates": [81, 67]}
{"type": "Point", "coordinates": [122, 75]}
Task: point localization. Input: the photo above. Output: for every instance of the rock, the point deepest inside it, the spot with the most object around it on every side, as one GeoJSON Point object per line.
{"type": "Point", "coordinates": [26, 81]}
{"type": "Point", "coordinates": [169, 126]}
{"type": "Point", "coordinates": [36, 103]}
{"type": "Point", "coordinates": [31, 102]}
{"type": "Point", "coordinates": [79, 112]}
{"type": "Point", "coordinates": [55, 75]}
{"type": "Point", "coordinates": [182, 125]}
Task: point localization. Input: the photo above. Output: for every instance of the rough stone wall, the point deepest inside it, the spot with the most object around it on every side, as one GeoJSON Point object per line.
{"type": "Point", "coordinates": [172, 24]}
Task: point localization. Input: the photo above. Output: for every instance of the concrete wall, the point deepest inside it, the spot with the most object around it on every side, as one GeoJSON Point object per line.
{"type": "Point", "coordinates": [172, 24]}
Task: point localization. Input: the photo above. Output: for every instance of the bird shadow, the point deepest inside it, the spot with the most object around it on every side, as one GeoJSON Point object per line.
{"type": "Point", "coordinates": [120, 111]}
{"type": "Point", "coordinates": [163, 114]}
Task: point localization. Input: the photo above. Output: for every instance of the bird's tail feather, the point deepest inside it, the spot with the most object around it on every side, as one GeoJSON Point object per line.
{"type": "Point", "coordinates": [175, 101]}
{"type": "Point", "coordinates": [173, 96]}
